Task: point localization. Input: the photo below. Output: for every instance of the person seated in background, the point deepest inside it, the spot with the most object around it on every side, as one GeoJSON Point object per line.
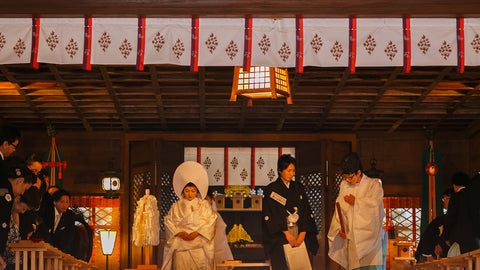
{"type": "Point", "coordinates": [29, 200]}
{"type": "Point", "coordinates": [60, 221]}
{"type": "Point", "coordinates": [430, 246]}
{"type": "Point", "coordinates": [222, 249]}
{"type": "Point", "coordinates": [459, 228]}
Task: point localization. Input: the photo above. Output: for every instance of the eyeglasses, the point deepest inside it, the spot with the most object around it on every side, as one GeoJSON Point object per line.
{"type": "Point", "coordinates": [348, 177]}
{"type": "Point", "coordinates": [14, 146]}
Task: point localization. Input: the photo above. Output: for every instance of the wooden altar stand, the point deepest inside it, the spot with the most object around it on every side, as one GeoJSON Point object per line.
{"type": "Point", "coordinates": [43, 256]}
{"type": "Point", "coordinates": [467, 261]}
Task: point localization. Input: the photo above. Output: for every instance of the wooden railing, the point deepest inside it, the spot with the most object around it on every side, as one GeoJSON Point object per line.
{"type": "Point", "coordinates": [465, 261]}
{"type": "Point", "coordinates": [43, 256]}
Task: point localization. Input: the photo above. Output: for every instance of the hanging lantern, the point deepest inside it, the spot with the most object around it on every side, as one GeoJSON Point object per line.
{"type": "Point", "coordinates": [111, 184]}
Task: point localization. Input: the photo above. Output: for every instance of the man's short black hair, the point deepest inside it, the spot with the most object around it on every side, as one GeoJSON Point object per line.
{"type": "Point", "coordinates": [351, 163]}
{"type": "Point", "coordinates": [9, 134]}
{"type": "Point", "coordinates": [460, 179]}
{"type": "Point", "coordinates": [284, 161]}
{"type": "Point", "coordinates": [32, 198]}
{"type": "Point", "coordinates": [57, 195]}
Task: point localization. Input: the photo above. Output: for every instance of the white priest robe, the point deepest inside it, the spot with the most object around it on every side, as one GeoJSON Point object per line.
{"type": "Point", "coordinates": [190, 216]}
{"type": "Point", "coordinates": [363, 225]}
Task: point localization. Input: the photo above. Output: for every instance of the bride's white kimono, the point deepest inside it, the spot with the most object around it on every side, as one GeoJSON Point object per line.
{"type": "Point", "coordinates": [363, 226]}
{"type": "Point", "coordinates": [189, 216]}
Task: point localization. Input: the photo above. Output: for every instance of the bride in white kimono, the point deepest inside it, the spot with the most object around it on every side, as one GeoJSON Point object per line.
{"type": "Point", "coordinates": [190, 223]}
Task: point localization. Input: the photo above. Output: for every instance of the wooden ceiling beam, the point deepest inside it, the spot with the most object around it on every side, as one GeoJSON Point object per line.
{"type": "Point", "coordinates": [113, 96]}
{"type": "Point", "coordinates": [451, 108]}
{"type": "Point", "coordinates": [341, 84]}
{"type": "Point", "coordinates": [286, 106]}
{"type": "Point", "coordinates": [158, 96]}
{"type": "Point", "coordinates": [377, 98]}
{"type": "Point", "coordinates": [66, 92]}
{"type": "Point", "coordinates": [201, 96]}
{"type": "Point", "coordinates": [420, 99]}
{"type": "Point", "coordinates": [31, 105]}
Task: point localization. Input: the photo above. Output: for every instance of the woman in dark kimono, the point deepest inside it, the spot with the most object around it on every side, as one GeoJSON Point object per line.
{"type": "Point", "coordinates": [287, 217]}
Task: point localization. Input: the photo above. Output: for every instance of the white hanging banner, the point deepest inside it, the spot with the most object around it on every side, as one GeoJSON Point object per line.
{"type": "Point", "coordinates": [325, 42]}
{"type": "Point", "coordinates": [114, 41]}
{"type": "Point", "coordinates": [15, 40]}
{"type": "Point", "coordinates": [239, 166]}
{"type": "Point", "coordinates": [213, 160]}
{"type": "Point", "coordinates": [273, 42]}
{"type": "Point", "coordinates": [168, 41]}
{"type": "Point", "coordinates": [61, 41]}
{"type": "Point", "coordinates": [472, 42]}
{"type": "Point", "coordinates": [288, 151]}
{"type": "Point", "coordinates": [190, 154]}
{"type": "Point", "coordinates": [221, 42]}
{"type": "Point", "coordinates": [265, 165]}
{"type": "Point", "coordinates": [379, 42]}
{"type": "Point", "coordinates": [433, 42]}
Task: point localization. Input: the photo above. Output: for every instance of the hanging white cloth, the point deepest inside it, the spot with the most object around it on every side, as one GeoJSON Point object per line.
{"type": "Point", "coordinates": [146, 222]}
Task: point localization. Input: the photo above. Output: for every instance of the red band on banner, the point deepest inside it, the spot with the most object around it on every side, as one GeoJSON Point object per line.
{"type": "Point", "coordinates": [194, 57]}
{"type": "Point", "coordinates": [461, 45]}
{"type": "Point", "coordinates": [87, 44]}
{"type": "Point", "coordinates": [353, 45]}
{"type": "Point", "coordinates": [299, 62]}
{"type": "Point", "coordinates": [280, 152]}
{"type": "Point", "coordinates": [141, 43]}
{"type": "Point", "coordinates": [247, 54]}
{"type": "Point", "coordinates": [199, 155]}
{"type": "Point", "coordinates": [35, 38]}
{"type": "Point", "coordinates": [253, 167]}
{"type": "Point", "coordinates": [407, 46]}
{"type": "Point", "coordinates": [226, 167]}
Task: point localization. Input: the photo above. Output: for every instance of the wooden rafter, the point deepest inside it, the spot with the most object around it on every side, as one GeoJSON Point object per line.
{"type": "Point", "coordinates": [420, 99]}
{"type": "Point", "coordinates": [201, 96]}
{"type": "Point", "coordinates": [158, 97]}
{"type": "Point", "coordinates": [18, 88]}
{"type": "Point", "coordinates": [113, 96]}
{"type": "Point", "coordinates": [66, 92]}
{"type": "Point", "coordinates": [377, 98]}
{"type": "Point", "coordinates": [338, 89]}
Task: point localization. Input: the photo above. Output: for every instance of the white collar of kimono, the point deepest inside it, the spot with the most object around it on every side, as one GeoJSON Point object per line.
{"type": "Point", "coordinates": [190, 171]}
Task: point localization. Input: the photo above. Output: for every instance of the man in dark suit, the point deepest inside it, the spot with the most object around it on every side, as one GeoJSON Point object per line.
{"type": "Point", "coordinates": [9, 138]}
{"type": "Point", "coordinates": [60, 221]}
{"type": "Point", "coordinates": [459, 226]}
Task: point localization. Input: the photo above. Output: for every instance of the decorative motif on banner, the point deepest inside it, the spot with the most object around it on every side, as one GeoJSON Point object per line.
{"type": "Point", "coordinates": [211, 43]}
{"type": "Point", "coordinates": [445, 50]}
{"type": "Point", "coordinates": [271, 175]}
{"type": "Point", "coordinates": [316, 43]}
{"type": "Point", "coordinates": [260, 163]}
{"type": "Point", "coordinates": [391, 50]}
{"type": "Point", "coordinates": [218, 176]}
{"type": "Point", "coordinates": [178, 49]}
{"type": "Point", "coordinates": [3, 40]}
{"type": "Point", "coordinates": [207, 163]}
{"type": "Point", "coordinates": [370, 44]}
{"type": "Point", "coordinates": [125, 48]}
{"type": "Point", "coordinates": [475, 43]}
{"type": "Point", "coordinates": [244, 174]}
{"type": "Point", "coordinates": [105, 41]}
{"type": "Point", "coordinates": [158, 42]}
{"type": "Point", "coordinates": [19, 48]}
{"type": "Point", "coordinates": [52, 41]}
{"type": "Point", "coordinates": [337, 50]}
{"type": "Point", "coordinates": [284, 52]}
{"type": "Point", "coordinates": [231, 50]}
{"type": "Point", "coordinates": [234, 162]}
{"type": "Point", "coordinates": [71, 48]}
{"type": "Point", "coordinates": [264, 44]}
{"type": "Point", "coordinates": [424, 44]}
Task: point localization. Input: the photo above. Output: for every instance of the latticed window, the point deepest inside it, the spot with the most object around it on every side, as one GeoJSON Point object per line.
{"type": "Point", "coordinates": [141, 181]}
{"type": "Point", "coordinates": [313, 187]}
{"type": "Point", "coordinates": [101, 214]}
{"type": "Point", "coordinates": [405, 213]}
{"type": "Point", "coordinates": [168, 197]}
